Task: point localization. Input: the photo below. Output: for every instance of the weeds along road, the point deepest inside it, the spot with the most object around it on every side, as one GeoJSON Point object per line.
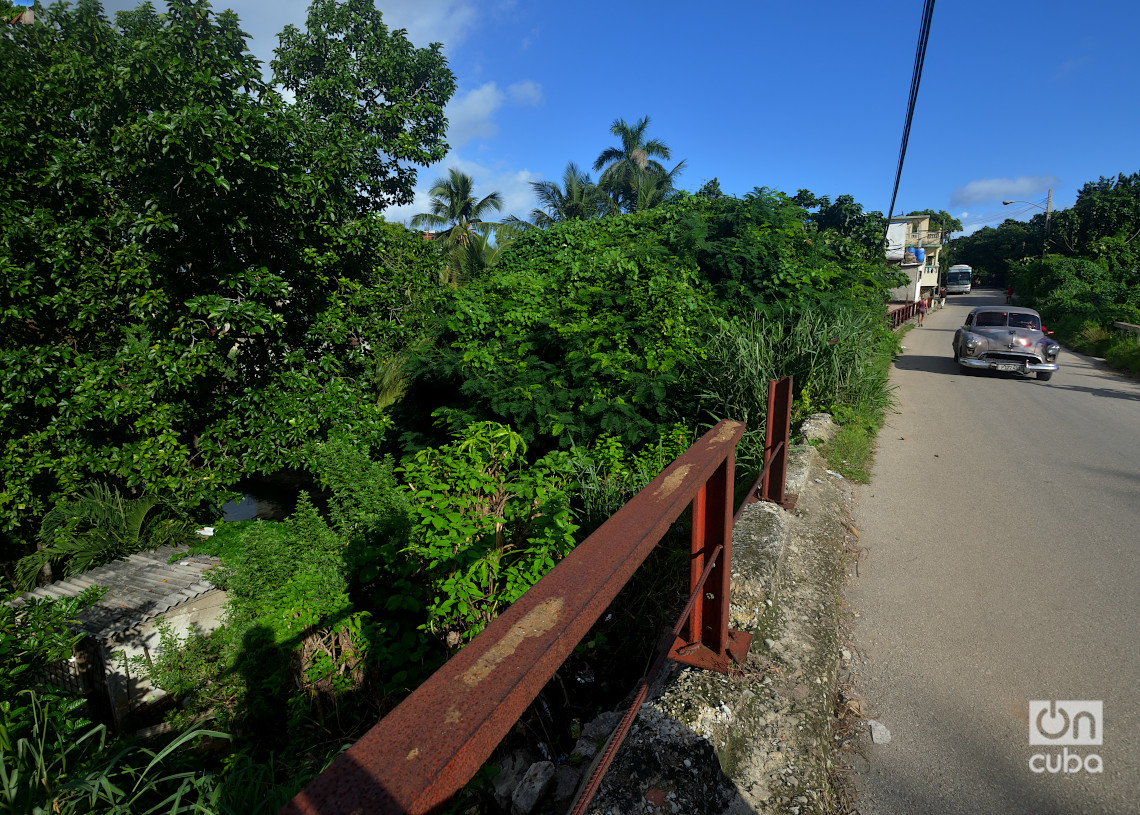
{"type": "Point", "coordinates": [1002, 566]}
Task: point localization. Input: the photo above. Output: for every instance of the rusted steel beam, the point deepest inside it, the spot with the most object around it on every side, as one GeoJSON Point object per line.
{"type": "Point", "coordinates": [753, 494]}
{"type": "Point", "coordinates": [426, 749]}
{"type": "Point", "coordinates": [777, 437]}
{"type": "Point", "coordinates": [708, 643]}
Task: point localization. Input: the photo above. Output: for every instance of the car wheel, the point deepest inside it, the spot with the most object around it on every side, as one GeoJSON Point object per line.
{"type": "Point", "coordinates": [1044, 376]}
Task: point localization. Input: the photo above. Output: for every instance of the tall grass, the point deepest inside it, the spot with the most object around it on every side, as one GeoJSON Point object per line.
{"type": "Point", "coordinates": [52, 769]}
{"type": "Point", "coordinates": [837, 353]}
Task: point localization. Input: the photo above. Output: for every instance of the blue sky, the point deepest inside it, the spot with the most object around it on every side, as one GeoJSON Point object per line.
{"type": "Point", "coordinates": [1017, 97]}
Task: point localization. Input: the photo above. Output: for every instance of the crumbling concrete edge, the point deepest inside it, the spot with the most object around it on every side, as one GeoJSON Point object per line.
{"type": "Point", "coordinates": [757, 740]}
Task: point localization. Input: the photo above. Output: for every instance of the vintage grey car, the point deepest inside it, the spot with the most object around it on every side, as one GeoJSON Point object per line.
{"type": "Point", "coordinates": [1006, 338]}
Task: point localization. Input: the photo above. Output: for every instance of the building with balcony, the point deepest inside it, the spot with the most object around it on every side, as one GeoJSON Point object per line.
{"type": "Point", "coordinates": [917, 248]}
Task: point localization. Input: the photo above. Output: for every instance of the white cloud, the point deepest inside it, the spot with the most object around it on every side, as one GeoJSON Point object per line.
{"type": "Point", "coordinates": [471, 116]}
{"type": "Point", "coordinates": [527, 93]}
{"type": "Point", "coordinates": [1070, 67]}
{"type": "Point", "coordinates": [986, 190]}
{"type": "Point", "coordinates": [446, 21]}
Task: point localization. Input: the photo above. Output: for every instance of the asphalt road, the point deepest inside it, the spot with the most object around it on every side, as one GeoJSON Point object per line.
{"type": "Point", "coordinates": [1002, 535]}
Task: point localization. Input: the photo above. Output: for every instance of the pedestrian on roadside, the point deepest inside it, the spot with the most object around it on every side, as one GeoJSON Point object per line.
{"type": "Point", "coordinates": [921, 310]}
{"type": "Point", "coordinates": [942, 297]}
{"type": "Point", "coordinates": [1009, 295]}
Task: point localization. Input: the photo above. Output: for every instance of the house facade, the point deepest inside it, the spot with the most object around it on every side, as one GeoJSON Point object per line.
{"type": "Point", "coordinates": [917, 248]}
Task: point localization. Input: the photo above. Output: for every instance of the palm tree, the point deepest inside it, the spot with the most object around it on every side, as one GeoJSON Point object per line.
{"type": "Point", "coordinates": [626, 168]}
{"type": "Point", "coordinates": [455, 211]}
{"type": "Point", "coordinates": [471, 259]}
{"type": "Point", "coordinates": [655, 188]}
{"type": "Point", "coordinates": [96, 527]}
{"type": "Point", "coordinates": [578, 198]}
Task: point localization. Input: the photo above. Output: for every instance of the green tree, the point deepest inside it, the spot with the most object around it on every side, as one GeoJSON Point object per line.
{"type": "Point", "coordinates": [992, 251]}
{"type": "Point", "coordinates": [941, 219]}
{"type": "Point", "coordinates": [373, 102]}
{"type": "Point", "coordinates": [190, 288]}
{"type": "Point", "coordinates": [1104, 221]}
{"type": "Point", "coordinates": [633, 164]}
{"type": "Point", "coordinates": [577, 198]}
{"type": "Point", "coordinates": [455, 210]}
{"type": "Point", "coordinates": [464, 235]}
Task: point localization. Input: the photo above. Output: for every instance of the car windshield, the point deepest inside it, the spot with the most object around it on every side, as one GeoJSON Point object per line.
{"type": "Point", "coordinates": [999, 319]}
{"type": "Point", "coordinates": [1029, 321]}
{"type": "Point", "coordinates": [990, 319]}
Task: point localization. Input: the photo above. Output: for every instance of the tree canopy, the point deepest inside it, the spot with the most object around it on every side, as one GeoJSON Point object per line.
{"type": "Point", "coordinates": [373, 102]}
{"type": "Point", "coordinates": [182, 248]}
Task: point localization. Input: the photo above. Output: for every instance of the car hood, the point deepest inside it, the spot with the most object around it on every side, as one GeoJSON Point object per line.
{"type": "Point", "coordinates": [1003, 335]}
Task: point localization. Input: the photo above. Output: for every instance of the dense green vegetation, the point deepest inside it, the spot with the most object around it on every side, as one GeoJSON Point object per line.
{"type": "Point", "coordinates": [199, 285]}
{"type": "Point", "coordinates": [196, 282]}
{"type": "Point", "coordinates": [1082, 275]}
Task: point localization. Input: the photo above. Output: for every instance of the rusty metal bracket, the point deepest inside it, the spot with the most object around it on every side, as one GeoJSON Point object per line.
{"type": "Point", "coordinates": [777, 437]}
{"type": "Point", "coordinates": [708, 642]}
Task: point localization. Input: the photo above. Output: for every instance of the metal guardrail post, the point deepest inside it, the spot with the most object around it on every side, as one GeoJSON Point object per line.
{"type": "Point", "coordinates": [777, 437]}
{"type": "Point", "coordinates": [708, 642]}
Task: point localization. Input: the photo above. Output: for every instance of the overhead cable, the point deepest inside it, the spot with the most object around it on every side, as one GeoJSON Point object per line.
{"type": "Point", "coordinates": [916, 76]}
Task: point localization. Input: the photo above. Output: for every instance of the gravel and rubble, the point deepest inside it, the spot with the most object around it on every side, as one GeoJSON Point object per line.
{"type": "Point", "coordinates": [759, 739]}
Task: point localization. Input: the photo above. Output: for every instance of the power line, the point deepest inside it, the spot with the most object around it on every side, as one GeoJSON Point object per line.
{"type": "Point", "coordinates": [916, 77]}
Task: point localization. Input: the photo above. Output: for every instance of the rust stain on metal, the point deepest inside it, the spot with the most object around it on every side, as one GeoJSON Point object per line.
{"type": "Point", "coordinates": [725, 433]}
{"type": "Point", "coordinates": [540, 620]}
{"type": "Point", "coordinates": [412, 754]}
{"type": "Point", "coordinates": [672, 481]}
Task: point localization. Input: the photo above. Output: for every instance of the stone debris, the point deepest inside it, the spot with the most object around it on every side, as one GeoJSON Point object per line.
{"type": "Point", "coordinates": [879, 732]}
{"type": "Point", "coordinates": [511, 772]}
{"type": "Point", "coordinates": [538, 779]}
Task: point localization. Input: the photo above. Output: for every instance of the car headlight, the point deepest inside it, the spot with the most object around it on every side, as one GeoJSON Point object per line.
{"type": "Point", "coordinates": [1051, 351]}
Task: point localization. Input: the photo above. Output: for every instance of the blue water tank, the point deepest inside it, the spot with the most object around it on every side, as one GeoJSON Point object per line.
{"type": "Point", "coordinates": [919, 254]}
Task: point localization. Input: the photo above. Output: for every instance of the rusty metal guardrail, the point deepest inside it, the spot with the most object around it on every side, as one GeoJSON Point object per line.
{"type": "Point", "coordinates": [423, 752]}
{"type": "Point", "coordinates": [897, 316]}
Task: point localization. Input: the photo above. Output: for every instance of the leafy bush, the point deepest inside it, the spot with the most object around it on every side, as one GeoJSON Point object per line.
{"type": "Point", "coordinates": [488, 526]}
{"type": "Point", "coordinates": [608, 475]}
{"type": "Point", "coordinates": [100, 525]}
{"type": "Point", "coordinates": [582, 329]}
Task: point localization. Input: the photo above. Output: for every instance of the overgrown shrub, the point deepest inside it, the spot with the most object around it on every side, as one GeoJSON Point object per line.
{"type": "Point", "coordinates": [488, 526]}
{"type": "Point", "coordinates": [608, 475]}
{"type": "Point", "coordinates": [100, 525]}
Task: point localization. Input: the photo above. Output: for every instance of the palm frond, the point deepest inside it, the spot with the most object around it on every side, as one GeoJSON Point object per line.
{"type": "Point", "coordinates": [100, 525]}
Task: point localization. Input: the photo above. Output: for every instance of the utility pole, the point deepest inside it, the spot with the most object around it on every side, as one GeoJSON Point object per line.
{"type": "Point", "coordinates": [1048, 214]}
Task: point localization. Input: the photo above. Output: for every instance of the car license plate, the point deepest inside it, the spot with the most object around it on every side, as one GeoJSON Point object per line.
{"type": "Point", "coordinates": [1009, 368]}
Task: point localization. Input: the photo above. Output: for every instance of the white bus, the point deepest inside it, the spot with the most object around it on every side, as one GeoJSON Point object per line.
{"type": "Point", "coordinates": [959, 279]}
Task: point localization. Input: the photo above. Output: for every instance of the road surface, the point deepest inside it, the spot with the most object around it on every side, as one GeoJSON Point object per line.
{"type": "Point", "coordinates": [1002, 528]}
